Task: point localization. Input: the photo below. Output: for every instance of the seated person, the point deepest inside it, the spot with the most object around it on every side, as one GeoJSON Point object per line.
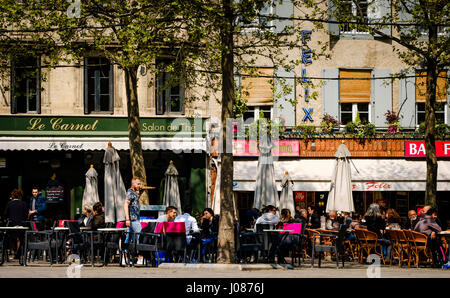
{"type": "Point", "coordinates": [98, 219]}
{"type": "Point", "coordinates": [412, 220]}
{"type": "Point", "coordinates": [190, 223]}
{"type": "Point", "coordinates": [286, 217]}
{"type": "Point", "coordinates": [427, 225]}
{"type": "Point", "coordinates": [171, 213]}
{"type": "Point", "coordinates": [332, 222]}
{"type": "Point", "coordinates": [210, 229]}
{"type": "Point", "coordinates": [86, 216]}
{"type": "Point", "coordinates": [269, 217]}
{"type": "Point", "coordinates": [393, 220]}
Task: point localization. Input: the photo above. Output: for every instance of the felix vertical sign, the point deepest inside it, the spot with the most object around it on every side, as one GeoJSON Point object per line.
{"type": "Point", "coordinates": [306, 60]}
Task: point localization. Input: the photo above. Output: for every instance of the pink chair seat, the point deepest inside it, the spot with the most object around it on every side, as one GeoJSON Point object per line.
{"type": "Point", "coordinates": [296, 227]}
{"type": "Point", "coordinates": [170, 227]}
{"type": "Point", "coordinates": [144, 225]}
{"type": "Point", "coordinates": [120, 225]}
{"type": "Point", "coordinates": [62, 221]}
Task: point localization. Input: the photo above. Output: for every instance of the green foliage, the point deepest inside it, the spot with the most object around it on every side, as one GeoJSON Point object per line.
{"type": "Point", "coordinates": [361, 130]}
{"type": "Point", "coordinates": [442, 130]}
{"type": "Point", "coordinates": [306, 131]}
{"type": "Point", "coordinates": [328, 124]}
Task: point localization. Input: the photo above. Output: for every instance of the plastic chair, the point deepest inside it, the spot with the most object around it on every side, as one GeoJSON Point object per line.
{"type": "Point", "coordinates": [40, 241]}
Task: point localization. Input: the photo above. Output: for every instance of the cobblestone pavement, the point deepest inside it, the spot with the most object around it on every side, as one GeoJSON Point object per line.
{"type": "Point", "coordinates": [353, 270]}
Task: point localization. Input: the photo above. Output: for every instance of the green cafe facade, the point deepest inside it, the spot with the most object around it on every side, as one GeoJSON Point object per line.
{"type": "Point", "coordinates": [33, 148]}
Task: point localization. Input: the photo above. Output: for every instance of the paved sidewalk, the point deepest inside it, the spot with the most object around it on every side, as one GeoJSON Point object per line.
{"type": "Point", "coordinates": [328, 270]}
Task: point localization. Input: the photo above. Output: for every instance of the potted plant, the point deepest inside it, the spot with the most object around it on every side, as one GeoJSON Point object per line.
{"type": "Point", "coordinates": [329, 123]}
{"type": "Point", "coordinates": [393, 121]}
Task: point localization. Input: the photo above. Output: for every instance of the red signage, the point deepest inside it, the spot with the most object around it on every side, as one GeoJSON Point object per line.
{"type": "Point", "coordinates": [372, 186]}
{"type": "Point", "coordinates": [299, 196]}
{"type": "Point", "coordinates": [417, 149]}
{"type": "Point", "coordinates": [282, 148]}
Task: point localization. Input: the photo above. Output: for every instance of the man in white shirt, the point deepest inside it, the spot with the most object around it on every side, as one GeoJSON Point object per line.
{"type": "Point", "coordinates": [190, 223]}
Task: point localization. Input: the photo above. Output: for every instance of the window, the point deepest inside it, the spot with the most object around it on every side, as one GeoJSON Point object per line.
{"type": "Point", "coordinates": [255, 113]}
{"type": "Point", "coordinates": [441, 96]}
{"type": "Point", "coordinates": [354, 95]}
{"type": "Point", "coordinates": [440, 111]}
{"type": "Point", "coordinates": [98, 86]}
{"type": "Point", "coordinates": [25, 85]}
{"type": "Point", "coordinates": [257, 90]}
{"type": "Point", "coordinates": [353, 9]}
{"type": "Point", "coordinates": [349, 112]}
{"type": "Point", "coordinates": [421, 86]}
{"type": "Point", "coordinates": [258, 21]}
{"type": "Point", "coordinates": [169, 91]}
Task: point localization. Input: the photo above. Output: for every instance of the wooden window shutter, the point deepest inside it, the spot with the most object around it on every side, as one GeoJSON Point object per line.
{"type": "Point", "coordinates": [258, 91]}
{"type": "Point", "coordinates": [354, 91]}
{"type": "Point", "coordinates": [421, 86]}
{"type": "Point", "coordinates": [38, 86]}
{"type": "Point", "coordinates": [111, 87]}
{"type": "Point", "coordinates": [12, 88]}
{"type": "Point", "coordinates": [86, 92]}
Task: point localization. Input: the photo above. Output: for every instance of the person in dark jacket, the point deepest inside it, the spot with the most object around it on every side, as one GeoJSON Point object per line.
{"type": "Point", "coordinates": [16, 212]}
{"type": "Point", "coordinates": [313, 218]}
{"type": "Point", "coordinates": [37, 208]}
{"type": "Point", "coordinates": [412, 220]}
{"type": "Point", "coordinates": [98, 221]}
{"type": "Point", "coordinates": [376, 223]}
{"type": "Point", "coordinates": [210, 229]}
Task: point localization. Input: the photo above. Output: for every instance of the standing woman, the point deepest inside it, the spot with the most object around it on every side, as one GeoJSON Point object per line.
{"type": "Point", "coordinates": [16, 212]}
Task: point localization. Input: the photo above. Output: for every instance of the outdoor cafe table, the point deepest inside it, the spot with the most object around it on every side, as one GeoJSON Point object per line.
{"type": "Point", "coordinates": [285, 233]}
{"type": "Point", "coordinates": [14, 228]}
{"type": "Point", "coordinates": [100, 231]}
{"type": "Point", "coordinates": [62, 229]}
{"type": "Point", "coordinates": [446, 234]}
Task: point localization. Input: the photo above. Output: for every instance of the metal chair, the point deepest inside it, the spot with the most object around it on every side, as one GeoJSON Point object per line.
{"type": "Point", "coordinates": [149, 246]}
{"type": "Point", "coordinates": [334, 244]}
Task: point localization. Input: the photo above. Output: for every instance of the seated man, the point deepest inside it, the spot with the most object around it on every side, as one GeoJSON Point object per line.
{"type": "Point", "coordinates": [171, 213]}
{"type": "Point", "coordinates": [269, 217]}
{"type": "Point", "coordinates": [190, 223]}
{"type": "Point", "coordinates": [427, 225]}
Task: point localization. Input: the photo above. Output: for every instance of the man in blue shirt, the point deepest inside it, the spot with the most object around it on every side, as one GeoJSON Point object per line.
{"type": "Point", "coordinates": [37, 208]}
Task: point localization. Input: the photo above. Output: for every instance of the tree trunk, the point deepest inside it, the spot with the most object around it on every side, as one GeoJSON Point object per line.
{"type": "Point", "coordinates": [134, 130]}
{"type": "Point", "coordinates": [226, 243]}
{"type": "Point", "coordinates": [430, 124]}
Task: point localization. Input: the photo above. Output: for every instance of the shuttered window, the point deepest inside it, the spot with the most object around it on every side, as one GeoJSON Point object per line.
{"type": "Point", "coordinates": [421, 86]}
{"type": "Point", "coordinates": [354, 91]}
{"type": "Point", "coordinates": [258, 91]}
{"type": "Point", "coordinates": [98, 85]}
{"type": "Point", "coordinates": [25, 85]}
{"type": "Point", "coordinates": [169, 90]}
